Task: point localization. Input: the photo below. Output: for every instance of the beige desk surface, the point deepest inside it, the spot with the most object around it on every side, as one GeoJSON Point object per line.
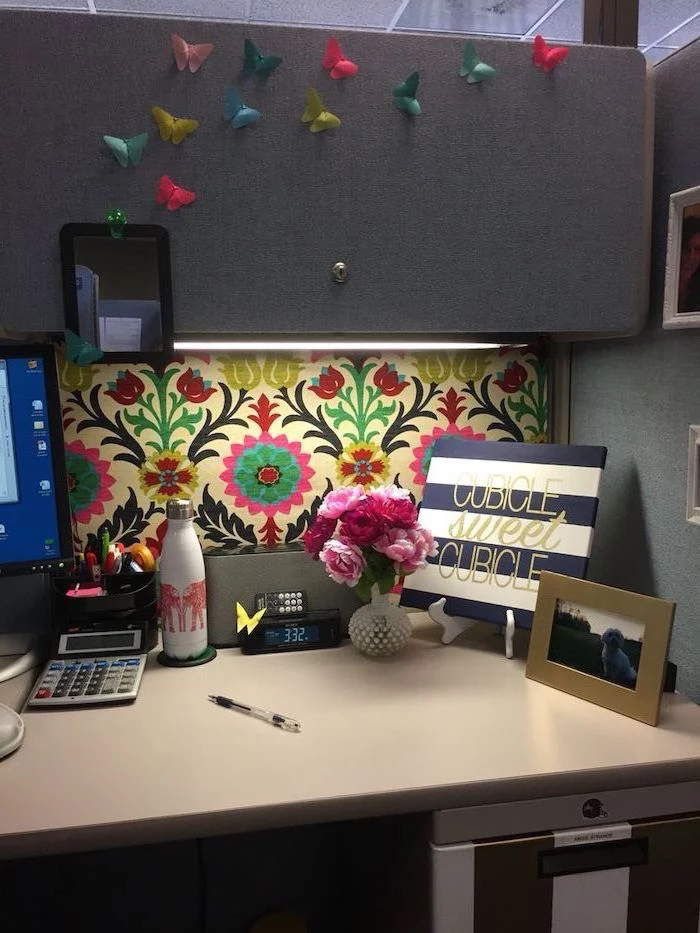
{"type": "Point", "coordinates": [437, 726]}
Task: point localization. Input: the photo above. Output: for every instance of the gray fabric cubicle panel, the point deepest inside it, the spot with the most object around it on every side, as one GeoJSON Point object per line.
{"type": "Point", "coordinates": [639, 396]}
{"type": "Point", "coordinates": [515, 205]}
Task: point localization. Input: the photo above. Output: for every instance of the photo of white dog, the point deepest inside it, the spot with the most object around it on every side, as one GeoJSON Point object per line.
{"type": "Point", "coordinates": [602, 644]}
{"type": "Point", "coordinates": [616, 664]}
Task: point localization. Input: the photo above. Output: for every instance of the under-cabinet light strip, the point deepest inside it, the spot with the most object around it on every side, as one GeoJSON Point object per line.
{"type": "Point", "coordinates": [336, 345]}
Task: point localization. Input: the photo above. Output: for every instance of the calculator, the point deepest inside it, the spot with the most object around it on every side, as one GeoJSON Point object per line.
{"type": "Point", "coordinates": [73, 682]}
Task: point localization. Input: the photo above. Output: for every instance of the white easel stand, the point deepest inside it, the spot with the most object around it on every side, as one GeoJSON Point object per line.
{"type": "Point", "coordinates": [452, 626]}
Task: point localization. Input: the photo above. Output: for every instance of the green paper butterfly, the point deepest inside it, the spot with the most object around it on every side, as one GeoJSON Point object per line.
{"type": "Point", "coordinates": [127, 150]}
{"type": "Point", "coordinates": [473, 67]}
{"type": "Point", "coordinates": [405, 95]}
{"type": "Point", "coordinates": [257, 63]}
{"type": "Point", "coordinates": [80, 351]}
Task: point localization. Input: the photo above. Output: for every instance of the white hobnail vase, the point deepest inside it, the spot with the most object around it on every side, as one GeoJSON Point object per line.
{"type": "Point", "coordinates": [379, 628]}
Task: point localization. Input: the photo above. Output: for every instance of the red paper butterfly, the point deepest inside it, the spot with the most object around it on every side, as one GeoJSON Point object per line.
{"type": "Point", "coordinates": [547, 57]}
{"type": "Point", "coordinates": [172, 195]}
{"type": "Point", "coordinates": [192, 55]}
{"type": "Point", "coordinates": [336, 63]}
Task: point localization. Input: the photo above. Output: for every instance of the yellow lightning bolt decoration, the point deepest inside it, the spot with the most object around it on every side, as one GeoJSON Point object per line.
{"type": "Point", "coordinates": [244, 621]}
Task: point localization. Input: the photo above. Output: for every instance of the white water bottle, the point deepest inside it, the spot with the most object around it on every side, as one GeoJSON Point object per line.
{"type": "Point", "coordinates": [183, 594]}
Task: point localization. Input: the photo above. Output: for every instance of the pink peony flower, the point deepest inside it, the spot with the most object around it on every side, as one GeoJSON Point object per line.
{"type": "Point", "coordinates": [390, 492]}
{"type": "Point", "coordinates": [363, 524]}
{"type": "Point", "coordinates": [407, 547]}
{"type": "Point", "coordinates": [317, 535]}
{"type": "Point", "coordinates": [338, 501]}
{"type": "Point", "coordinates": [344, 561]}
{"type": "Point", "coordinates": [398, 513]}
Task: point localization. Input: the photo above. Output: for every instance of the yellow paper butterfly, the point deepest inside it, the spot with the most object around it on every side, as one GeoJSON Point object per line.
{"type": "Point", "coordinates": [173, 128]}
{"type": "Point", "coordinates": [244, 621]}
{"type": "Point", "coordinates": [317, 115]}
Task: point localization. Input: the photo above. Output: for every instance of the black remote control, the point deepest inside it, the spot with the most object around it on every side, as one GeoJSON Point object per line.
{"type": "Point", "coordinates": [284, 603]}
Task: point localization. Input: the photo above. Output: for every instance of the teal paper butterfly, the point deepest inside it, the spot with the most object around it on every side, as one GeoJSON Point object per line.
{"type": "Point", "coordinates": [237, 113]}
{"type": "Point", "coordinates": [405, 95]}
{"type": "Point", "coordinates": [257, 63]}
{"type": "Point", "coordinates": [127, 150]}
{"type": "Point", "coordinates": [473, 67]}
{"type": "Point", "coordinates": [80, 351]}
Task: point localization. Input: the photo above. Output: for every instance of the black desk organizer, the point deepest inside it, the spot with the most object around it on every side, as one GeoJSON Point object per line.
{"type": "Point", "coordinates": [130, 601]}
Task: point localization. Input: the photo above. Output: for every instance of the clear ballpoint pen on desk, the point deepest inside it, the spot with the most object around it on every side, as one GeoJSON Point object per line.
{"type": "Point", "coordinates": [275, 719]}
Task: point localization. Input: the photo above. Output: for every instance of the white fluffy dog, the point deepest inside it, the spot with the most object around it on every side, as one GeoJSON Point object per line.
{"type": "Point", "coordinates": [616, 664]}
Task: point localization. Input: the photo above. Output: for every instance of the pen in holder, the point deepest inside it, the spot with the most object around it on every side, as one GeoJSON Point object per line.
{"type": "Point", "coordinates": [123, 602]}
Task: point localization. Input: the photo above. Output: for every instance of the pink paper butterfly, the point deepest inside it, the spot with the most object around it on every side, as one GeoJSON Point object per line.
{"type": "Point", "coordinates": [547, 57]}
{"type": "Point", "coordinates": [192, 55]}
{"type": "Point", "coordinates": [336, 63]}
{"type": "Point", "coordinates": [172, 195]}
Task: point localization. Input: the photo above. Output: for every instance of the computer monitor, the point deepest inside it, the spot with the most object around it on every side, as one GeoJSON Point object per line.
{"type": "Point", "coordinates": [35, 525]}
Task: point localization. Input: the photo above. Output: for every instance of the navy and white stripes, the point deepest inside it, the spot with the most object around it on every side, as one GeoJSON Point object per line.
{"type": "Point", "coordinates": [501, 513]}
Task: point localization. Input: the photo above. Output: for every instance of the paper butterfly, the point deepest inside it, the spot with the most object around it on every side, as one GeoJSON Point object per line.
{"type": "Point", "coordinates": [237, 113]}
{"type": "Point", "coordinates": [317, 115]}
{"type": "Point", "coordinates": [173, 128]}
{"type": "Point", "coordinates": [547, 57]}
{"type": "Point", "coordinates": [257, 63]}
{"type": "Point", "coordinates": [80, 351]}
{"type": "Point", "coordinates": [405, 95]}
{"type": "Point", "coordinates": [172, 195]}
{"type": "Point", "coordinates": [473, 67]}
{"type": "Point", "coordinates": [127, 150]}
{"type": "Point", "coordinates": [186, 55]}
{"type": "Point", "coordinates": [244, 621]}
{"type": "Point", "coordinates": [336, 63]}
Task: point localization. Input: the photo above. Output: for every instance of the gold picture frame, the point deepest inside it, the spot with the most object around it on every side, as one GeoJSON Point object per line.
{"type": "Point", "coordinates": [568, 615]}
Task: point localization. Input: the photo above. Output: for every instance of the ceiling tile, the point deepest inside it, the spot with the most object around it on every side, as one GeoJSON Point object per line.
{"type": "Point", "coordinates": [685, 35]}
{"type": "Point", "coordinates": [208, 9]}
{"type": "Point", "coordinates": [488, 17]}
{"type": "Point", "coordinates": [656, 17]}
{"type": "Point", "coordinates": [566, 23]}
{"type": "Point", "coordinates": [45, 4]}
{"type": "Point", "coordinates": [368, 13]}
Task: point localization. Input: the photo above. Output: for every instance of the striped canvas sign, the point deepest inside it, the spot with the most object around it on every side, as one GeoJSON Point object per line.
{"type": "Point", "coordinates": [501, 513]}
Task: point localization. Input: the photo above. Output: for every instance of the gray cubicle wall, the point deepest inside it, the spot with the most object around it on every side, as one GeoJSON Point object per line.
{"type": "Point", "coordinates": [516, 205]}
{"type": "Point", "coordinates": [639, 396]}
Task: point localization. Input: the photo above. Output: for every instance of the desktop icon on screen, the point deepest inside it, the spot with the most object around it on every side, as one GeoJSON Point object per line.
{"type": "Point", "coordinates": [32, 364]}
{"type": "Point", "coordinates": [2, 530]}
{"type": "Point", "coordinates": [44, 485]}
{"type": "Point", "coordinates": [38, 425]}
{"type": "Point", "coordinates": [41, 446]}
{"type": "Point", "coordinates": [38, 405]}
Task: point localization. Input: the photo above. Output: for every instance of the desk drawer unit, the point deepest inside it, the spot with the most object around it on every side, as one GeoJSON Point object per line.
{"type": "Point", "coordinates": [637, 876]}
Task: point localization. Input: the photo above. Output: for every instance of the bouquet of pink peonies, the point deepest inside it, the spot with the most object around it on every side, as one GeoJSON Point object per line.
{"type": "Point", "coordinates": [369, 537]}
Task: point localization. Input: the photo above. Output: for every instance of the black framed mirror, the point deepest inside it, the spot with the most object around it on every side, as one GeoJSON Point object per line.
{"type": "Point", "coordinates": [117, 290]}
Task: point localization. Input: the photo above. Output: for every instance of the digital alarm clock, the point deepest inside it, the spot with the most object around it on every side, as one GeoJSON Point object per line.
{"type": "Point", "coordinates": [315, 629]}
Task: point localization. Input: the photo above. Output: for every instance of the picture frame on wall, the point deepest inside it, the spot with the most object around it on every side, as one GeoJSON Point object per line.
{"type": "Point", "coordinates": [601, 644]}
{"type": "Point", "coordinates": [682, 281]}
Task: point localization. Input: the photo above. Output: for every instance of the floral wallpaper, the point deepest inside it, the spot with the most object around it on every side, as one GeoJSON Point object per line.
{"type": "Point", "coordinates": [257, 441]}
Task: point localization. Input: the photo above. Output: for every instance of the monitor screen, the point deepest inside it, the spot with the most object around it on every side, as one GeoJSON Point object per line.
{"type": "Point", "coordinates": [35, 528]}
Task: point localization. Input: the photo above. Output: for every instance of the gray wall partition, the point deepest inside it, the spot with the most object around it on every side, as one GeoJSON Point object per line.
{"type": "Point", "coordinates": [516, 205]}
{"type": "Point", "coordinates": [639, 396]}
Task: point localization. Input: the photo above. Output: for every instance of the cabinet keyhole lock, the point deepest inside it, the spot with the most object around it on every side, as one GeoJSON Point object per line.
{"type": "Point", "coordinates": [339, 272]}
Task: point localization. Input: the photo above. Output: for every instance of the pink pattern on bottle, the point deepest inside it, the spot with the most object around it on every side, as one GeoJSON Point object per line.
{"type": "Point", "coordinates": [171, 607]}
{"type": "Point", "coordinates": [194, 598]}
